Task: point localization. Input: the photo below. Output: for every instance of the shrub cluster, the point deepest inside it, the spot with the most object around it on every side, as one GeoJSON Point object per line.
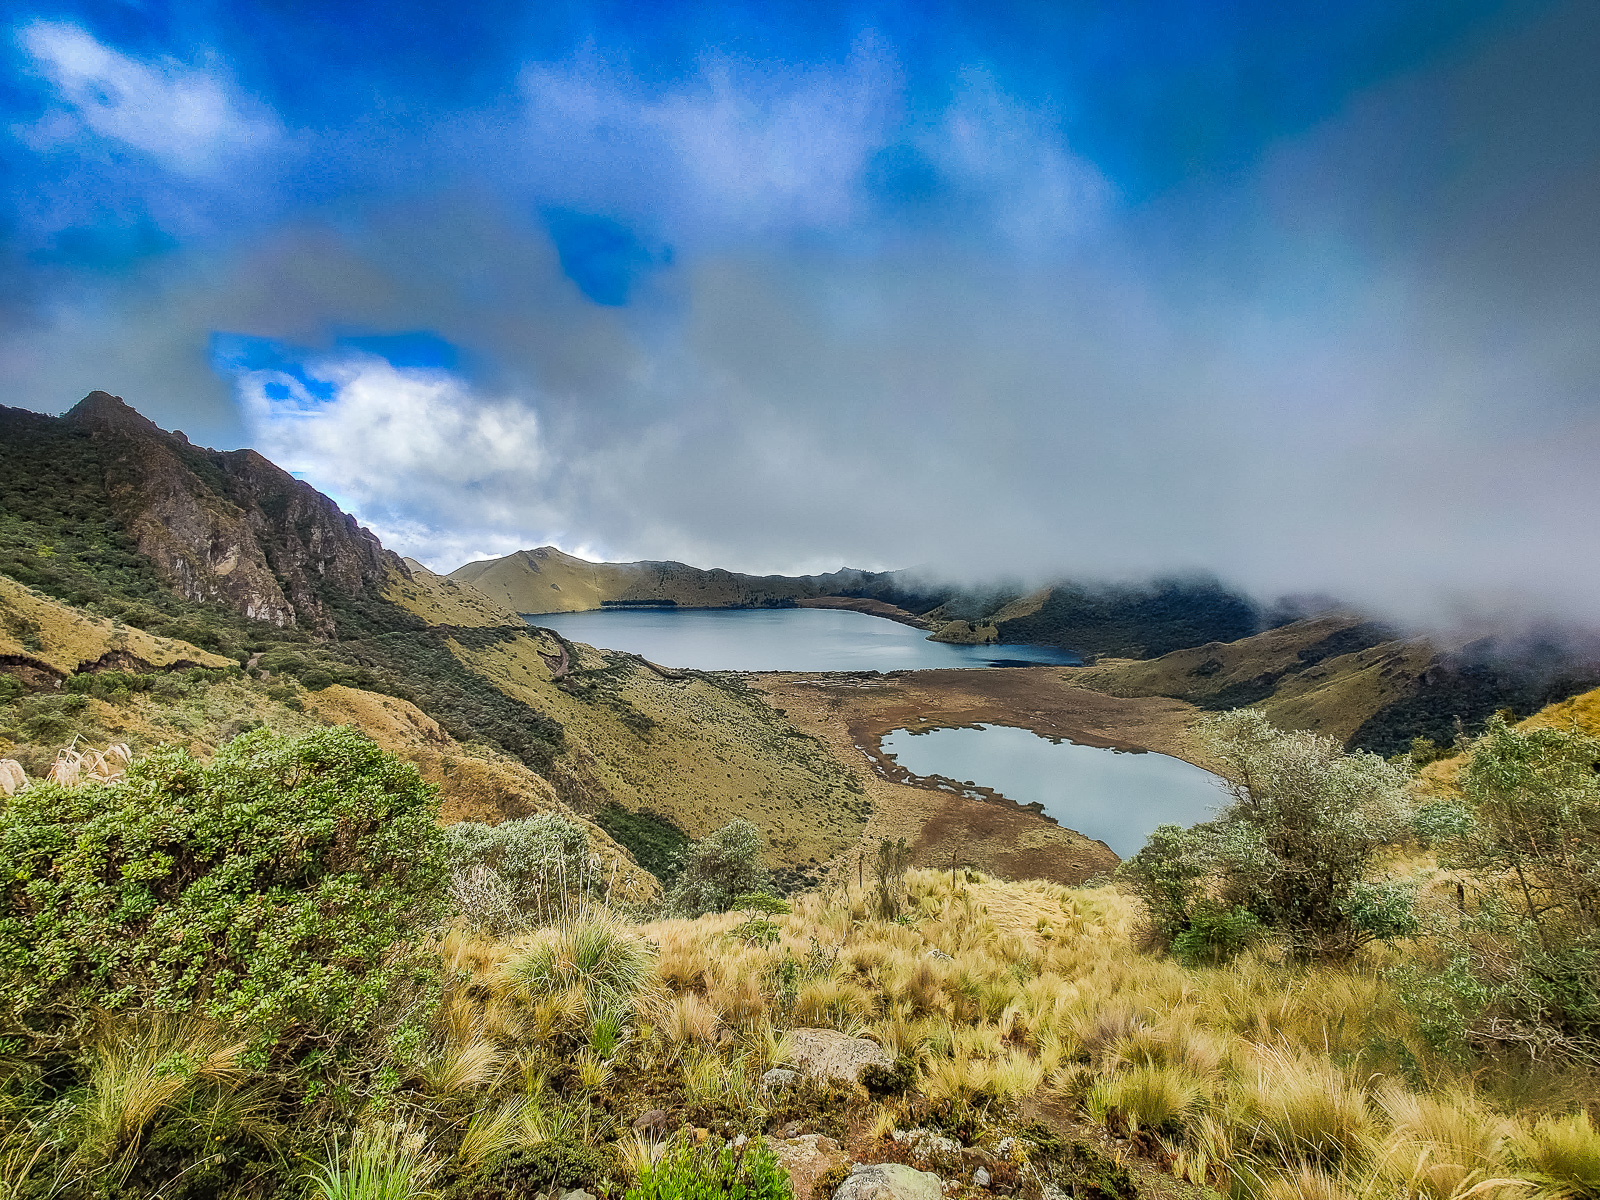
{"type": "Point", "coordinates": [271, 886]}
{"type": "Point", "coordinates": [522, 873]}
{"type": "Point", "coordinates": [1295, 854]}
{"type": "Point", "coordinates": [720, 868]}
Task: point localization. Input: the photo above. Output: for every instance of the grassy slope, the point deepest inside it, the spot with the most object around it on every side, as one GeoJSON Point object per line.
{"type": "Point", "coordinates": [546, 580]}
{"type": "Point", "coordinates": [1302, 1082]}
{"type": "Point", "coordinates": [700, 750]}
{"type": "Point", "coordinates": [1582, 711]}
{"type": "Point", "coordinates": [1297, 674]}
{"type": "Point", "coordinates": [442, 601]}
{"type": "Point", "coordinates": [61, 638]}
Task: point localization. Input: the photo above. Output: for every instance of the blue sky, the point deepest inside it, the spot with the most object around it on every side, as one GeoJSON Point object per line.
{"type": "Point", "coordinates": [1304, 294]}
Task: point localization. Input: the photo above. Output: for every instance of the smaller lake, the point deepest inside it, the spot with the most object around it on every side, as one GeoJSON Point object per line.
{"type": "Point", "coordinates": [1114, 795]}
{"type": "Point", "coordinates": [780, 639]}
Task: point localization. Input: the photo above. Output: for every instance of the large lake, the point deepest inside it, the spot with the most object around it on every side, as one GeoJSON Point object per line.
{"type": "Point", "coordinates": [1113, 795]}
{"type": "Point", "coordinates": [780, 639]}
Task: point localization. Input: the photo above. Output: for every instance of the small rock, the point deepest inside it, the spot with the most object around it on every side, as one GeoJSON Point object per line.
{"type": "Point", "coordinates": [925, 1143]}
{"type": "Point", "coordinates": [654, 1122]}
{"type": "Point", "coordinates": [807, 1159]}
{"type": "Point", "coordinates": [981, 1177]}
{"type": "Point", "coordinates": [889, 1181]}
{"type": "Point", "coordinates": [792, 1130]}
{"type": "Point", "coordinates": [576, 1195]}
{"type": "Point", "coordinates": [780, 1077]}
{"type": "Point", "coordinates": [827, 1054]}
{"type": "Point", "coordinates": [1052, 1192]}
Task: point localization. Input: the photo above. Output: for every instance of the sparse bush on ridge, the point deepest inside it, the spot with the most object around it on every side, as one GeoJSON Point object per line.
{"type": "Point", "coordinates": [522, 873]}
{"type": "Point", "coordinates": [1519, 960]}
{"type": "Point", "coordinates": [1294, 856]}
{"type": "Point", "coordinates": [719, 868]}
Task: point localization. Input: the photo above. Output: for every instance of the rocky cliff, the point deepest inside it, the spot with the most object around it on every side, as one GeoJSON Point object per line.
{"type": "Point", "coordinates": [231, 528]}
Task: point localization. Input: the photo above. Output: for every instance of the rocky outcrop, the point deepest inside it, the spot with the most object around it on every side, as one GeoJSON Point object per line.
{"type": "Point", "coordinates": [825, 1054]}
{"type": "Point", "coordinates": [230, 528]}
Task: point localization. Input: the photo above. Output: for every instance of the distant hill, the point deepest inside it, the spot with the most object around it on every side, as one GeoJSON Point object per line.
{"type": "Point", "coordinates": [1356, 679]}
{"type": "Point", "coordinates": [547, 581]}
{"type": "Point", "coordinates": [1134, 620]}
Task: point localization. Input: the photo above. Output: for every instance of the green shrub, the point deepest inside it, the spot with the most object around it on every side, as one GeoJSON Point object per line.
{"type": "Point", "coordinates": [714, 1172]}
{"type": "Point", "coordinates": [1214, 935]}
{"type": "Point", "coordinates": [559, 1164]}
{"type": "Point", "coordinates": [108, 685]}
{"type": "Point", "coordinates": [719, 868]}
{"type": "Point", "coordinates": [1297, 849]}
{"type": "Point", "coordinates": [271, 889]}
{"type": "Point", "coordinates": [520, 873]}
{"type": "Point", "coordinates": [1522, 957]}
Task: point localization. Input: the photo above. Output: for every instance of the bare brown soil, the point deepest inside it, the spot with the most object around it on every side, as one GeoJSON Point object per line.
{"type": "Point", "coordinates": [852, 713]}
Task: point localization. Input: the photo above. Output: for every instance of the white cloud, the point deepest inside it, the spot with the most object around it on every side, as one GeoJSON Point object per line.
{"type": "Point", "coordinates": [1034, 188]}
{"type": "Point", "coordinates": [438, 471]}
{"type": "Point", "coordinates": [747, 149]}
{"type": "Point", "coordinates": [737, 148]}
{"type": "Point", "coordinates": [191, 120]}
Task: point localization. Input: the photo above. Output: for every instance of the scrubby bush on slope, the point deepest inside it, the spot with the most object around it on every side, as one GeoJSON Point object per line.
{"type": "Point", "coordinates": [1295, 853]}
{"type": "Point", "coordinates": [719, 868]}
{"type": "Point", "coordinates": [270, 889]}
{"type": "Point", "coordinates": [521, 873]}
{"type": "Point", "coordinates": [1522, 954]}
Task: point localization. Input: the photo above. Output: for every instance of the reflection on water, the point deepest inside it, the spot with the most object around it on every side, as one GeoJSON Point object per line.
{"type": "Point", "coordinates": [780, 639]}
{"type": "Point", "coordinates": [1116, 796]}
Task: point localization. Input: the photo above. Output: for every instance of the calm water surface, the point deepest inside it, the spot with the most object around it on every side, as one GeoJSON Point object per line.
{"type": "Point", "coordinates": [780, 639]}
{"type": "Point", "coordinates": [1112, 795]}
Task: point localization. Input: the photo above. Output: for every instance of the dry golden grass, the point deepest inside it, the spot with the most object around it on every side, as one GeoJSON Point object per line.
{"type": "Point", "coordinates": [68, 637]}
{"type": "Point", "coordinates": [1264, 1080]}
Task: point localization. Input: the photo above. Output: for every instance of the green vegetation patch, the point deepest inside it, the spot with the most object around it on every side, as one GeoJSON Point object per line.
{"type": "Point", "coordinates": [656, 842]}
{"type": "Point", "coordinates": [273, 885]}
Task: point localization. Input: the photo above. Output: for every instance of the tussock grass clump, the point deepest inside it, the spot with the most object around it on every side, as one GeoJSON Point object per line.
{"type": "Point", "coordinates": [603, 961]}
{"type": "Point", "coordinates": [1562, 1155]}
{"type": "Point", "coordinates": [1160, 1099]}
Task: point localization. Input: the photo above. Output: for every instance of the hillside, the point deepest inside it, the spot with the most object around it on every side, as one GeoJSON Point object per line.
{"type": "Point", "coordinates": [545, 580]}
{"type": "Point", "coordinates": [124, 547]}
{"type": "Point", "coordinates": [1348, 677]}
{"type": "Point", "coordinates": [42, 639]}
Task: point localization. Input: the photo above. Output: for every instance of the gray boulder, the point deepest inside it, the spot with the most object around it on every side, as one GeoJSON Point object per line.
{"type": "Point", "coordinates": [779, 1077]}
{"type": "Point", "coordinates": [889, 1181]}
{"type": "Point", "coordinates": [827, 1054]}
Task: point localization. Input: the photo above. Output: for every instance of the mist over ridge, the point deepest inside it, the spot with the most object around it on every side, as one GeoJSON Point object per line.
{"type": "Point", "coordinates": [1315, 315]}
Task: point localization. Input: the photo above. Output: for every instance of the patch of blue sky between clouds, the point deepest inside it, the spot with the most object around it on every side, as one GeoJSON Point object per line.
{"type": "Point", "coordinates": [281, 369]}
{"type": "Point", "coordinates": [604, 258]}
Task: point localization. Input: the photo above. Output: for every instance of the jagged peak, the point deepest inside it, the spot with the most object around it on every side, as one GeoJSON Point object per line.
{"type": "Point", "coordinates": [102, 409]}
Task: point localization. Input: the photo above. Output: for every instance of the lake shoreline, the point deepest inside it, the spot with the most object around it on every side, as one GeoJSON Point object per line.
{"type": "Point", "coordinates": [854, 711]}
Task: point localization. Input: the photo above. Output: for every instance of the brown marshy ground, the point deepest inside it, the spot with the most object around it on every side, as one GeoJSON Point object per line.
{"type": "Point", "coordinates": [852, 712]}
